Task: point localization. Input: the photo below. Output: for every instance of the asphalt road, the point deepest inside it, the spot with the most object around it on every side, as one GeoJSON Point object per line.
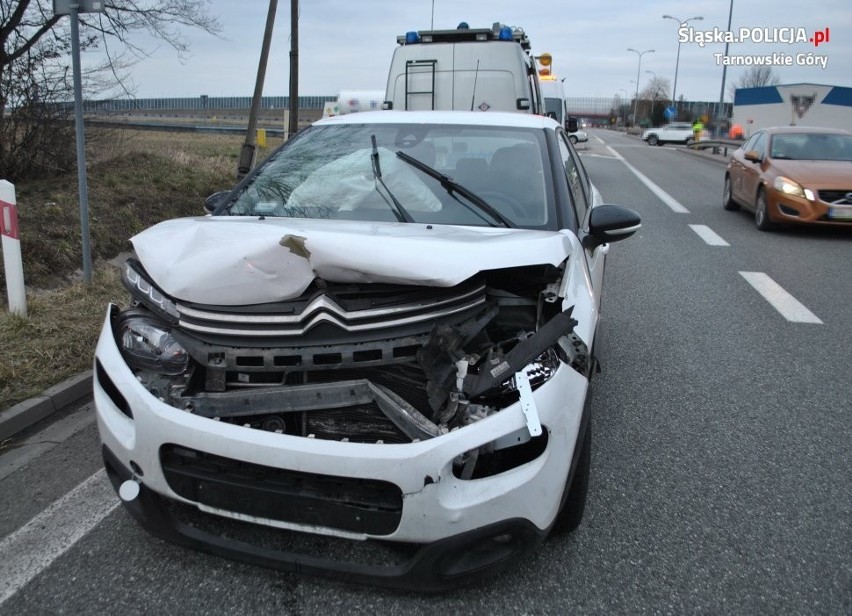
{"type": "Point", "coordinates": [721, 462]}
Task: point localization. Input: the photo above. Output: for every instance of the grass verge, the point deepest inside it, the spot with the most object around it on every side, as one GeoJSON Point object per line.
{"type": "Point", "coordinates": [136, 179]}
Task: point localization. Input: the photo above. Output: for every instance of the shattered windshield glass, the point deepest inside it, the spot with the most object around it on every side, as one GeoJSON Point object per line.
{"type": "Point", "coordinates": [329, 172]}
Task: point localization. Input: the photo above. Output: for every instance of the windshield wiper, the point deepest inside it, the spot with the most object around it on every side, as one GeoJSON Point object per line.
{"type": "Point", "coordinates": [452, 186]}
{"type": "Point", "coordinates": [400, 212]}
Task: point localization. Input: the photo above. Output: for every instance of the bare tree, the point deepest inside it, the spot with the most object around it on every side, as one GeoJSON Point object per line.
{"type": "Point", "coordinates": [35, 79]}
{"type": "Point", "coordinates": [653, 99]}
{"type": "Point", "coordinates": [755, 77]}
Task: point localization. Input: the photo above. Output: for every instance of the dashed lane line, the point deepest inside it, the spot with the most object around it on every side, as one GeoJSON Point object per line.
{"type": "Point", "coordinates": [710, 237]}
{"type": "Point", "coordinates": [32, 548]}
{"type": "Point", "coordinates": [665, 197]}
{"type": "Point", "coordinates": [789, 307]}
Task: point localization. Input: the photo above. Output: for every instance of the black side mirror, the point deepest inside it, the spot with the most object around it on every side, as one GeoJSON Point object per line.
{"type": "Point", "coordinates": [610, 223]}
{"type": "Point", "coordinates": [215, 200]}
{"type": "Point", "coordinates": [573, 125]}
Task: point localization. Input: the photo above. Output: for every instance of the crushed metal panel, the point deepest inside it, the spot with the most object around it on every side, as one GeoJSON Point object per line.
{"type": "Point", "coordinates": [230, 261]}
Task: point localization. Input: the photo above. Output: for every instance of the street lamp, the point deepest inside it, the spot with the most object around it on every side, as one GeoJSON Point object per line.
{"type": "Point", "coordinates": [638, 70]}
{"type": "Point", "coordinates": [677, 60]}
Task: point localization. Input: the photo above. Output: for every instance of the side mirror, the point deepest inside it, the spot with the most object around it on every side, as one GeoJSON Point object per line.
{"type": "Point", "coordinates": [753, 155]}
{"type": "Point", "coordinates": [610, 223]}
{"type": "Point", "coordinates": [573, 125]}
{"type": "Point", "coordinates": [215, 200]}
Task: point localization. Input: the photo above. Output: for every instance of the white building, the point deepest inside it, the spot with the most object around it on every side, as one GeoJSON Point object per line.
{"type": "Point", "coordinates": [800, 104]}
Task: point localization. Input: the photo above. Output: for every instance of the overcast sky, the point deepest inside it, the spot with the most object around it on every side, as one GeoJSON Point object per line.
{"type": "Point", "coordinates": [347, 45]}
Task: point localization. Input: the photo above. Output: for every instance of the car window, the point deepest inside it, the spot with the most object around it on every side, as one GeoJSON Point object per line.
{"type": "Point", "coordinates": [329, 172]}
{"type": "Point", "coordinates": [760, 144]}
{"type": "Point", "coordinates": [748, 145]}
{"type": "Point", "coordinates": [811, 146]}
{"type": "Point", "coordinates": [576, 178]}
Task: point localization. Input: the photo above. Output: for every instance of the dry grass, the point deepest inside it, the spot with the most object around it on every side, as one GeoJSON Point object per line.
{"type": "Point", "coordinates": [57, 339]}
{"type": "Point", "coordinates": [136, 179]}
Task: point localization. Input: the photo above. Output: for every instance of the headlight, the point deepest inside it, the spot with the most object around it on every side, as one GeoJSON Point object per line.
{"type": "Point", "coordinates": [142, 289]}
{"type": "Point", "coordinates": [147, 344]}
{"type": "Point", "coordinates": [789, 187]}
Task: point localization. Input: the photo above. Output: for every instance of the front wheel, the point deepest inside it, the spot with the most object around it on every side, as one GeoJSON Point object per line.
{"type": "Point", "coordinates": [572, 139]}
{"type": "Point", "coordinates": [653, 140]}
{"type": "Point", "coordinates": [727, 200]}
{"type": "Point", "coordinates": [761, 212]}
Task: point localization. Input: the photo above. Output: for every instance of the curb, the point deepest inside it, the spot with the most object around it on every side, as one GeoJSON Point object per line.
{"type": "Point", "coordinates": [716, 158]}
{"type": "Point", "coordinates": [23, 415]}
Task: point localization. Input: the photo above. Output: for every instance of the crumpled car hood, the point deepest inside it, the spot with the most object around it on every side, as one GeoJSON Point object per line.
{"type": "Point", "coordinates": [233, 261]}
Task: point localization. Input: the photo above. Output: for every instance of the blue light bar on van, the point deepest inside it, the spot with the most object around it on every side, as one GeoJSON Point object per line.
{"type": "Point", "coordinates": [411, 37]}
{"type": "Point", "coordinates": [505, 34]}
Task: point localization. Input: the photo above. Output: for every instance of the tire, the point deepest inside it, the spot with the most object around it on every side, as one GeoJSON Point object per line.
{"type": "Point", "coordinates": [572, 139]}
{"type": "Point", "coordinates": [761, 212]}
{"type": "Point", "coordinates": [653, 140]}
{"type": "Point", "coordinates": [571, 515]}
{"type": "Point", "coordinates": [689, 141]}
{"type": "Point", "coordinates": [727, 200]}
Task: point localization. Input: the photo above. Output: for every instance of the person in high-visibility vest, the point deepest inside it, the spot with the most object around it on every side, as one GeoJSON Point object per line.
{"type": "Point", "coordinates": [697, 128]}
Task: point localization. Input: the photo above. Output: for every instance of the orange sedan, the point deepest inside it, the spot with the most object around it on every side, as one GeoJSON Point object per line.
{"type": "Point", "coordinates": [793, 174]}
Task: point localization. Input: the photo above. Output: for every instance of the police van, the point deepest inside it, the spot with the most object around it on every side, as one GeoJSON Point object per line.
{"type": "Point", "coordinates": [464, 69]}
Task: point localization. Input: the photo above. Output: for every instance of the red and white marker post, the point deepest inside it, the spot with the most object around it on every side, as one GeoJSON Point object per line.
{"type": "Point", "coordinates": [12, 261]}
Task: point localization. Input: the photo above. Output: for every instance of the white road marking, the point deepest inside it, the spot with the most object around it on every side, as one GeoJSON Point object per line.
{"type": "Point", "coordinates": [709, 236]}
{"type": "Point", "coordinates": [665, 197]}
{"type": "Point", "coordinates": [45, 440]}
{"type": "Point", "coordinates": [598, 139]}
{"type": "Point", "coordinates": [789, 307]}
{"type": "Point", "coordinates": [32, 548]}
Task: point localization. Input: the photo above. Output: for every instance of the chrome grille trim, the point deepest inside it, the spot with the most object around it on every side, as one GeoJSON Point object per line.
{"type": "Point", "coordinates": [325, 310]}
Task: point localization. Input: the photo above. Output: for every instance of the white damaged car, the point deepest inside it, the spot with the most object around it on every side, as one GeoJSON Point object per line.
{"type": "Point", "coordinates": [372, 362]}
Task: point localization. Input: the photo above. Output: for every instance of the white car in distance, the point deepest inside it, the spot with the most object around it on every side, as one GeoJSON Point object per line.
{"type": "Point", "coordinates": [676, 132]}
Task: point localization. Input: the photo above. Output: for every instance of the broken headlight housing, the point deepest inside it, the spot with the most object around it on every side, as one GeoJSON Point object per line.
{"type": "Point", "coordinates": [146, 343]}
{"type": "Point", "coordinates": [145, 292]}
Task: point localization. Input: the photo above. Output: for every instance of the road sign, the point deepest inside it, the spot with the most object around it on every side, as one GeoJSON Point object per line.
{"type": "Point", "coordinates": [670, 112]}
{"type": "Point", "coordinates": [63, 7]}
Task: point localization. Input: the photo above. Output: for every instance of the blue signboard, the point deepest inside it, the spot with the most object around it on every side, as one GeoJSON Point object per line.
{"type": "Point", "coordinates": [670, 112]}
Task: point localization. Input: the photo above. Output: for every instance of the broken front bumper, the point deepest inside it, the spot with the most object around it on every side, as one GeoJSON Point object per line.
{"type": "Point", "coordinates": [404, 493]}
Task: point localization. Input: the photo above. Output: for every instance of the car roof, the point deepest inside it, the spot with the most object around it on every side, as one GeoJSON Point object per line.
{"type": "Point", "coordinates": [497, 119]}
{"type": "Point", "coordinates": [775, 130]}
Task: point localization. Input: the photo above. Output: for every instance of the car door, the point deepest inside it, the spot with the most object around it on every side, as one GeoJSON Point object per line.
{"type": "Point", "coordinates": [738, 165]}
{"type": "Point", "coordinates": [752, 170]}
{"type": "Point", "coordinates": [583, 199]}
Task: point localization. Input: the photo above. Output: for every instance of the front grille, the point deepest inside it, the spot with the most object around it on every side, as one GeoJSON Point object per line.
{"type": "Point", "coordinates": [836, 197]}
{"type": "Point", "coordinates": [330, 307]}
{"type": "Point", "coordinates": [354, 505]}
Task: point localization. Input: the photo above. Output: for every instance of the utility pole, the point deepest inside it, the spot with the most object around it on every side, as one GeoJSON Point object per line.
{"type": "Point", "coordinates": [246, 161]}
{"type": "Point", "coordinates": [720, 114]}
{"type": "Point", "coordinates": [73, 8]}
{"type": "Point", "coordinates": [293, 126]}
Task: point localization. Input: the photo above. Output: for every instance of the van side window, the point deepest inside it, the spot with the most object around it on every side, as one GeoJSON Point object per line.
{"type": "Point", "coordinates": [577, 182]}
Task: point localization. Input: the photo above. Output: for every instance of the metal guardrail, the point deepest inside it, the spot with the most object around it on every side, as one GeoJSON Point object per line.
{"type": "Point", "coordinates": [183, 128]}
{"type": "Point", "coordinates": [720, 146]}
